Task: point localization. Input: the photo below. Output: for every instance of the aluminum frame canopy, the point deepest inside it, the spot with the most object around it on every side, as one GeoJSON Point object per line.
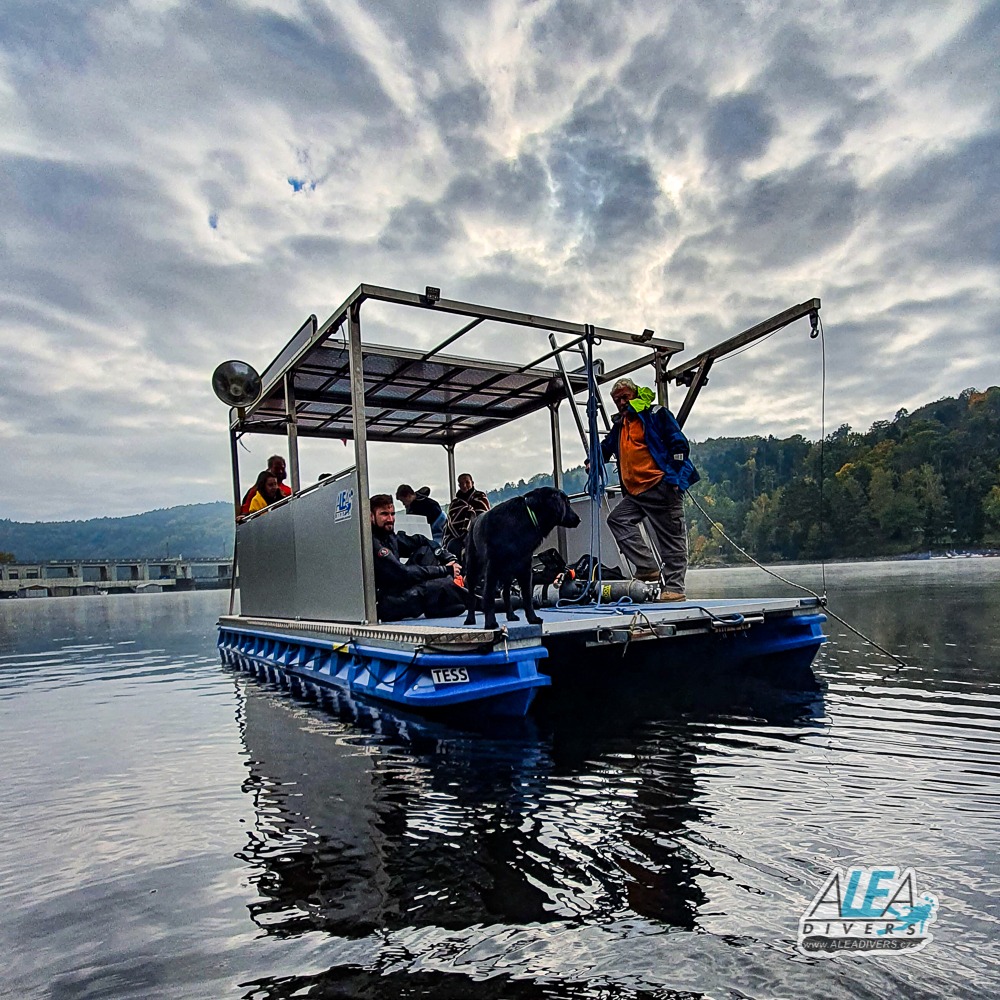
{"type": "Point", "coordinates": [412, 396]}
{"type": "Point", "coordinates": [439, 400]}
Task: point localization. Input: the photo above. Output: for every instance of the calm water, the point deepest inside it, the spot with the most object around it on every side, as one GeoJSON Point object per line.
{"type": "Point", "coordinates": [171, 829]}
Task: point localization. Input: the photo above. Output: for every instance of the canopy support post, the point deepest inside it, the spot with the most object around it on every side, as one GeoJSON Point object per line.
{"type": "Point", "coordinates": [660, 367]}
{"type": "Point", "coordinates": [452, 480]}
{"type": "Point", "coordinates": [557, 474]}
{"type": "Point", "coordinates": [699, 379]}
{"type": "Point", "coordinates": [293, 432]}
{"type": "Point", "coordinates": [234, 455]}
{"type": "Point", "coordinates": [357, 376]}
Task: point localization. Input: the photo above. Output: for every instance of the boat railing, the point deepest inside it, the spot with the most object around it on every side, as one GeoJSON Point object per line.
{"type": "Point", "coordinates": [301, 556]}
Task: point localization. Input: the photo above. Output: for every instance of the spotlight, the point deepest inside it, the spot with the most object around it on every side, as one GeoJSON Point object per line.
{"type": "Point", "coordinates": [237, 384]}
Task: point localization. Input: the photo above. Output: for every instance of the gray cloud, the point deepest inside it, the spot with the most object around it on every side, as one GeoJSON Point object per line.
{"type": "Point", "coordinates": [508, 278]}
{"type": "Point", "coordinates": [798, 73]}
{"type": "Point", "coordinates": [686, 168]}
{"type": "Point", "coordinates": [70, 218]}
{"type": "Point", "coordinates": [419, 226]}
{"type": "Point", "coordinates": [420, 24]}
{"type": "Point", "coordinates": [513, 188]}
{"type": "Point", "coordinates": [39, 40]}
{"type": "Point", "coordinates": [739, 128]}
{"type": "Point", "coordinates": [792, 215]}
{"type": "Point", "coordinates": [685, 268]}
{"type": "Point", "coordinates": [462, 109]}
{"type": "Point", "coordinates": [460, 115]}
{"type": "Point", "coordinates": [798, 79]}
{"type": "Point", "coordinates": [676, 118]}
{"type": "Point", "coordinates": [608, 119]}
{"type": "Point", "coordinates": [305, 62]}
{"type": "Point", "coordinates": [967, 64]}
{"type": "Point", "coordinates": [582, 27]}
{"type": "Point", "coordinates": [954, 198]}
{"type": "Point", "coordinates": [653, 62]}
{"type": "Point", "coordinates": [605, 186]}
{"type": "Point", "coordinates": [610, 194]}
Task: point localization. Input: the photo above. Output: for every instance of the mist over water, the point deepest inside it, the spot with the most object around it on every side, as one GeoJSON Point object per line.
{"type": "Point", "coordinates": [173, 829]}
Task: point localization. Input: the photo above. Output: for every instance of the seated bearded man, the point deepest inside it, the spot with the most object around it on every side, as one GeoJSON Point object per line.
{"type": "Point", "coordinates": [426, 583]}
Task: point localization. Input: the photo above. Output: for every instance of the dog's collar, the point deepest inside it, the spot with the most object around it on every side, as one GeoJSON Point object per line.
{"type": "Point", "coordinates": [531, 514]}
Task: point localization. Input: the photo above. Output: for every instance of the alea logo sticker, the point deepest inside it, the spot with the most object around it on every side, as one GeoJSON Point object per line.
{"type": "Point", "coordinates": [345, 500]}
{"type": "Point", "coordinates": [873, 908]}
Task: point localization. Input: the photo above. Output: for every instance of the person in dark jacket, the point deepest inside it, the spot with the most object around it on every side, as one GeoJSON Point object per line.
{"type": "Point", "coordinates": [421, 504]}
{"type": "Point", "coordinates": [654, 470]}
{"type": "Point", "coordinates": [424, 584]}
{"type": "Point", "coordinates": [467, 505]}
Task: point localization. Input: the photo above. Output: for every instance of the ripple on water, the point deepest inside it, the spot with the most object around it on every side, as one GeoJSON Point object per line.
{"type": "Point", "coordinates": [665, 848]}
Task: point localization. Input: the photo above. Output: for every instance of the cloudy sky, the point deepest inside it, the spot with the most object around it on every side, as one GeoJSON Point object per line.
{"type": "Point", "coordinates": [183, 182]}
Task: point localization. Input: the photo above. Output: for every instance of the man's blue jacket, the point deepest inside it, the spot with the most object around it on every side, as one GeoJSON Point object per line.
{"type": "Point", "coordinates": [666, 443]}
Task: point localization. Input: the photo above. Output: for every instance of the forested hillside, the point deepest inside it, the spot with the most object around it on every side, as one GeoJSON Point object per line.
{"type": "Point", "coordinates": [925, 480]}
{"type": "Point", "coordinates": [195, 530]}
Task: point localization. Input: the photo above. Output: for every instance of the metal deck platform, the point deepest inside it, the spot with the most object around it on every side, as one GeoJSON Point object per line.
{"type": "Point", "coordinates": [568, 620]}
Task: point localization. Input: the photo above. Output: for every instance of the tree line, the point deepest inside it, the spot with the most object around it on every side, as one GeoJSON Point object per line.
{"type": "Point", "coordinates": [193, 530]}
{"type": "Point", "coordinates": [927, 480]}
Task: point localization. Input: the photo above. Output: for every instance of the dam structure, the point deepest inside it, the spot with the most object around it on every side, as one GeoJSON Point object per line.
{"type": "Point", "coordinates": [78, 577]}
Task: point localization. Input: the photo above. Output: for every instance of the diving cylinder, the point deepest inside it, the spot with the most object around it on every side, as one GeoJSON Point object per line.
{"type": "Point", "coordinates": [545, 595]}
{"type": "Point", "coordinates": [611, 591]}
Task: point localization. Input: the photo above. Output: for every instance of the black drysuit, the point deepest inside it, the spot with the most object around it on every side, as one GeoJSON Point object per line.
{"type": "Point", "coordinates": [421, 585]}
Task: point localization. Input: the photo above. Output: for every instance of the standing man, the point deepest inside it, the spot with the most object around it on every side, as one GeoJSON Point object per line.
{"type": "Point", "coordinates": [424, 584]}
{"type": "Point", "coordinates": [655, 470]}
{"type": "Point", "coordinates": [277, 468]}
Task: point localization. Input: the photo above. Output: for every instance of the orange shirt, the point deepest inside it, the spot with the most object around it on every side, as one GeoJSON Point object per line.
{"type": "Point", "coordinates": [636, 468]}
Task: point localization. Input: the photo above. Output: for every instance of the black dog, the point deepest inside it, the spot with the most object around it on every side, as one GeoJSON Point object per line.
{"type": "Point", "coordinates": [500, 546]}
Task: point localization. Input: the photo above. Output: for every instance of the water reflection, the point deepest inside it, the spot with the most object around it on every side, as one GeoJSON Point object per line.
{"type": "Point", "coordinates": [73, 641]}
{"type": "Point", "coordinates": [358, 983]}
{"type": "Point", "coordinates": [370, 822]}
{"type": "Point", "coordinates": [656, 843]}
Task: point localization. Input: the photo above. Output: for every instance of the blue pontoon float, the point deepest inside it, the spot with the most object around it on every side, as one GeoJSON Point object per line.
{"type": "Point", "coordinates": [307, 586]}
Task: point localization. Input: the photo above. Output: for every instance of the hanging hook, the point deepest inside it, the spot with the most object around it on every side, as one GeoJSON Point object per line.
{"type": "Point", "coordinates": [814, 323]}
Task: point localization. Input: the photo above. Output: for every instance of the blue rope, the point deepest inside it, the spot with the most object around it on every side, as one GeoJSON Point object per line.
{"type": "Point", "coordinates": [620, 606]}
{"type": "Point", "coordinates": [597, 478]}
